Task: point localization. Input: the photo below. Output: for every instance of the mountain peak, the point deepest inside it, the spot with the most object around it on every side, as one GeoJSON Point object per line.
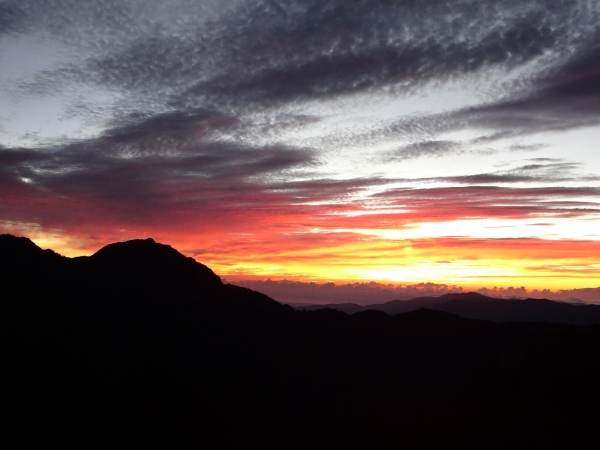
{"type": "Point", "coordinates": [147, 258]}
{"type": "Point", "coordinates": [16, 251]}
{"type": "Point", "coordinates": [467, 296]}
{"type": "Point", "coordinates": [140, 250]}
{"type": "Point", "coordinates": [139, 264]}
{"type": "Point", "coordinates": [10, 243]}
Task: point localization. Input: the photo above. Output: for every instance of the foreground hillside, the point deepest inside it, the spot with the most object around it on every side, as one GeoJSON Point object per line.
{"type": "Point", "coordinates": [139, 346]}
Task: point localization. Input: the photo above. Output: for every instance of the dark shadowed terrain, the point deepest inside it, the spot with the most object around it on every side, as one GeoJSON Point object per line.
{"type": "Point", "coordinates": [477, 306]}
{"type": "Point", "coordinates": [138, 346]}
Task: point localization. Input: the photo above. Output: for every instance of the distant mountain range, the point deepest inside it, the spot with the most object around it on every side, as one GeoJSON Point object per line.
{"type": "Point", "coordinates": [477, 306]}
{"type": "Point", "coordinates": [138, 346]}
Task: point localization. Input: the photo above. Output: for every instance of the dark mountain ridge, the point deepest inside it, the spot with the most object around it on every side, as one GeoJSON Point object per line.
{"type": "Point", "coordinates": [138, 346]}
{"type": "Point", "coordinates": [473, 305]}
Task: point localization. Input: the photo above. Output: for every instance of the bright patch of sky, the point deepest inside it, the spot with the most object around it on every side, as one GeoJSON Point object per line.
{"type": "Point", "coordinates": [543, 228]}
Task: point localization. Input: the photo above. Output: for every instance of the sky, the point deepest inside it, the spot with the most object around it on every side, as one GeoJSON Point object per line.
{"type": "Point", "coordinates": [405, 143]}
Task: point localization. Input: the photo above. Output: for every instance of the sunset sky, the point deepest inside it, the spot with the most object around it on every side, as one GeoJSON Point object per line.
{"type": "Point", "coordinates": [403, 142]}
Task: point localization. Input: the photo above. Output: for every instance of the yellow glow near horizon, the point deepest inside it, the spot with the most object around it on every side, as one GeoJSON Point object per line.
{"type": "Point", "coordinates": [469, 274]}
{"type": "Point", "coordinates": [464, 262]}
{"type": "Point", "coordinates": [369, 255]}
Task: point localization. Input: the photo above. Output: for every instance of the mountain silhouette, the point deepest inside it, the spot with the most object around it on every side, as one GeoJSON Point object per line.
{"type": "Point", "coordinates": [399, 306]}
{"type": "Point", "coordinates": [138, 346]}
{"type": "Point", "coordinates": [473, 305]}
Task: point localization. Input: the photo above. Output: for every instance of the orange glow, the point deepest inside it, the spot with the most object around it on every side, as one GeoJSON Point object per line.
{"type": "Point", "coordinates": [470, 237]}
{"type": "Point", "coordinates": [345, 256]}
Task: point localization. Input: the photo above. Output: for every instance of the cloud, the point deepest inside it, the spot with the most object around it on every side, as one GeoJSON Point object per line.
{"type": "Point", "coordinates": [543, 171]}
{"type": "Point", "coordinates": [147, 168]}
{"type": "Point", "coordinates": [469, 202]}
{"type": "Point", "coordinates": [299, 292]}
{"type": "Point", "coordinates": [586, 295]}
{"type": "Point", "coordinates": [578, 78]}
{"type": "Point", "coordinates": [238, 58]}
{"type": "Point", "coordinates": [169, 169]}
{"type": "Point", "coordinates": [259, 52]}
{"type": "Point", "coordinates": [490, 178]}
{"type": "Point", "coordinates": [589, 295]}
{"type": "Point", "coordinates": [12, 18]}
{"type": "Point", "coordinates": [425, 148]}
{"type": "Point", "coordinates": [287, 291]}
{"type": "Point", "coordinates": [567, 96]}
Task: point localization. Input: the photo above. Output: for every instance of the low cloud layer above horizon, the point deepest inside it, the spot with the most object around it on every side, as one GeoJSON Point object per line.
{"type": "Point", "coordinates": [409, 141]}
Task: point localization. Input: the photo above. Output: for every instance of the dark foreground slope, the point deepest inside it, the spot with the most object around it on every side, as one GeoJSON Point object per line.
{"type": "Point", "coordinates": [138, 346]}
{"type": "Point", "coordinates": [477, 306]}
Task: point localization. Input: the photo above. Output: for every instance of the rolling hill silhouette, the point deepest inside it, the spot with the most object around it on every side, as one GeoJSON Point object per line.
{"type": "Point", "coordinates": [138, 346]}
{"type": "Point", "coordinates": [472, 305]}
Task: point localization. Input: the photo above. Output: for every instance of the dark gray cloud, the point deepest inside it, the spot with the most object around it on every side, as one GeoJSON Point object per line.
{"type": "Point", "coordinates": [490, 178]}
{"type": "Point", "coordinates": [542, 176]}
{"type": "Point", "coordinates": [12, 18]}
{"type": "Point", "coordinates": [566, 97]}
{"type": "Point", "coordinates": [176, 128]}
{"type": "Point", "coordinates": [541, 171]}
{"type": "Point", "coordinates": [579, 77]}
{"type": "Point", "coordinates": [164, 168]}
{"type": "Point", "coordinates": [239, 57]}
{"type": "Point", "coordinates": [311, 48]}
{"type": "Point", "coordinates": [80, 23]}
{"type": "Point", "coordinates": [425, 148]}
{"type": "Point", "coordinates": [150, 166]}
{"type": "Point", "coordinates": [489, 201]}
{"type": "Point", "coordinates": [259, 52]}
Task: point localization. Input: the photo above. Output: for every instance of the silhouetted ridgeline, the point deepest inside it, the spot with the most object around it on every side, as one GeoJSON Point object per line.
{"type": "Point", "coordinates": [139, 346]}
{"type": "Point", "coordinates": [477, 306]}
